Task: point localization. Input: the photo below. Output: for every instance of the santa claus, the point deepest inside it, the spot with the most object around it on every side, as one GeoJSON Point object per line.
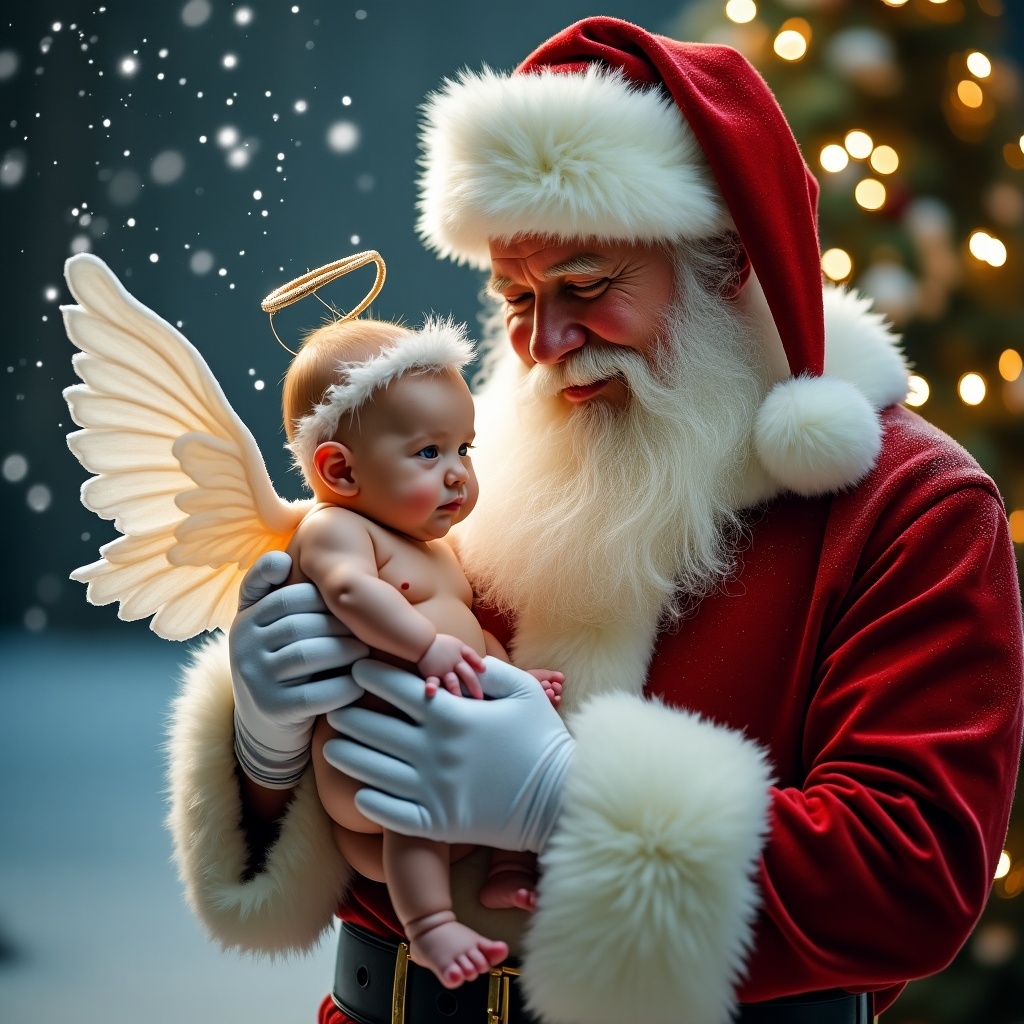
{"type": "Point", "coordinates": [786, 607]}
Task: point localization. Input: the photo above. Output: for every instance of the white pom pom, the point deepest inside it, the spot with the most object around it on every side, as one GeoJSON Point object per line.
{"type": "Point", "coordinates": [817, 435]}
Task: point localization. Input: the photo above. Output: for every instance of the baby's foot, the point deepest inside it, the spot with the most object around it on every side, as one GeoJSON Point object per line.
{"type": "Point", "coordinates": [452, 951]}
{"type": "Point", "coordinates": [509, 888]}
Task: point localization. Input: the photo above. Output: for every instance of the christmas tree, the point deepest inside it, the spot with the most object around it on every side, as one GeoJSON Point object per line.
{"type": "Point", "coordinates": [910, 114]}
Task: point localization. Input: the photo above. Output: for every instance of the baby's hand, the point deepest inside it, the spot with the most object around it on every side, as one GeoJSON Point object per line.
{"type": "Point", "coordinates": [551, 682]}
{"type": "Point", "coordinates": [448, 662]}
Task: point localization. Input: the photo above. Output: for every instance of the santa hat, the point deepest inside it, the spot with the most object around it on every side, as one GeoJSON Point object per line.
{"type": "Point", "coordinates": [607, 131]}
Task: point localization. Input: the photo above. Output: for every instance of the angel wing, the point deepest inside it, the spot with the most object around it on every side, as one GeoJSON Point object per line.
{"type": "Point", "coordinates": [175, 468]}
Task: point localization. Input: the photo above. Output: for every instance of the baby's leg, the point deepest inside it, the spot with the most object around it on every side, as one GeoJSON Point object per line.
{"type": "Point", "coordinates": [418, 873]}
{"type": "Point", "coordinates": [511, 881]}
{"type": "Point", "coordinates": [358, 838]}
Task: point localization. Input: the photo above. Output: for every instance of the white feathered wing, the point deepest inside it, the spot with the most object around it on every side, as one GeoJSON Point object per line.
{"type": "Point", "coordinates": [175, 468]}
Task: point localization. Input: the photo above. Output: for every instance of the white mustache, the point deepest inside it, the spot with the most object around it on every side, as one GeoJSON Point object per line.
{"type": "Point", "coordinates": [585, 366]}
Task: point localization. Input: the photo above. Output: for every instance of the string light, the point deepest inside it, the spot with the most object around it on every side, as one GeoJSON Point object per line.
{"type": "Point", "coordinates": [858, 144]}
{"type": "Point", "coordinates": [884, 159]}
{"type": "Point", "coordinates": [741, 11]}
{"type": "Point", "coordinates": [1003, 867]}
{"type": "Point", "coordinates": [870, 194]}
{"type": "Point", "coordinates": [836, 264]}
{"type": "Point", "coordinates": [971, 388]}
{"type": "Point", "coordinates": [978, 64]}
{"type": "Point", "coordinates": [790, 45]}
{"type": "Point", "coordinates": [918, 390]}
{"type": "Point", "coordinates": [834, 158]}
{"type": "Point", "coordinates": [1010, 365]}
{"type": "Point", "coordinates": [986, 248]}
{"type": "Point", "coordinates": [895, 3]}
{"type": "Point", "coordinates": [1017, 526]}
{"type": "Point", "coordinates": [969, 93]}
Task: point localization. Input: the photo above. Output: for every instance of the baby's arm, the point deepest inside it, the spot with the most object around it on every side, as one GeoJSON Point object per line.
{"type": "Point", "coordinates": [334, 549]}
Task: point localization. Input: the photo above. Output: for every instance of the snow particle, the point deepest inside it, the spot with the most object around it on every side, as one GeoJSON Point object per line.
{"type": "Point", "coordinates": [124, 187]}
{"type": "Point", "coordinates": [243, 16]}
{"type": "Point", "coordinates": [167, 167]}
{"type": "Point", "coordinates": [8, 64]}
{"type": "Point", "coordinates": [201, 262]}
{"type": "Point", "coordinates": [229, 60]}
{"type": "Point", "coordinates": [50, 293]}
{"type": "Point", "coordinates": [38, 497]}
{"type": "Point", "coordinates": [343, 136]}
{"type": "Point", "coordinates": [301, 106]}
{"type": "Point", "coordinates": [227, 137]}
{"type": "Point", "coordinates": [15, 468]}
{"type": "Point", "coordinates": [80, 243]}
{"type": "Point", "coordinates": [128, 66]}
{"type": "Point", "coordinates": [12, 169]}
{"type": "Point", "coordinates": [35, 619]}
{"type": "Point", "coordinates": [196, 12]}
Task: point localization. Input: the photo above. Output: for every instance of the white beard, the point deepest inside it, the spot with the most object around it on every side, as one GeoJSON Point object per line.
{"type": "Point", "coordinates": [597, 524]}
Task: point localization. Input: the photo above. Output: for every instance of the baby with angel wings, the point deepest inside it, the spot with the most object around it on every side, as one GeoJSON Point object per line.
{"type": "Point", "coordinates": [380, 421]}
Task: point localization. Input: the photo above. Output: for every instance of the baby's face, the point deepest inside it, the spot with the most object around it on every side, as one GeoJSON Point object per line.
{"type": "Point", "coordinates": [411, 455]}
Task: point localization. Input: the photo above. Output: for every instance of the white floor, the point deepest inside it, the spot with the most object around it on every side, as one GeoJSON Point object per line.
{"type": "Point", "coordinates": [93, 928]}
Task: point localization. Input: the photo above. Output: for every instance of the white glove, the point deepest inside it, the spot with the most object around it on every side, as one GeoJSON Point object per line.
{"type": "Point", "coordinates": [279, 641]}
{"type": "Point", "coordinates": [488, 772]}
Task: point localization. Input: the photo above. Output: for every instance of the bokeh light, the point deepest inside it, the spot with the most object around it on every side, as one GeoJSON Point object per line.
{"type": "Point", "coordinates": [918, 391]}
{"type": "Point", "coordinates": [870, 194]}
{"type": "Point", "coordinates": [741, 11]}
{"type": "Point", "coordinates": [834, 158]}
{"type": "Point", "coordinates": [884, 159]}
{"type": "Point", "coordinates": [971, 388]}
{"type": "Point", "coordinates": [1010, 365]}
{"type": "Point", "coordinates": [837, 264]}
{"type": "Point", "coordinates": [858, 144]}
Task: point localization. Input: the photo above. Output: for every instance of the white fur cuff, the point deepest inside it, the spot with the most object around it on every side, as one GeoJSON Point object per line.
{"type": "Point", "coordinates": [291, 904]}
{"type": "Point", "coordinates": [647, 895]}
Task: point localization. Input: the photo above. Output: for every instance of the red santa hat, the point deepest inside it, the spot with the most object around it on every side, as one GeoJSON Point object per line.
{"type": "Point", "coordinates": [607, 131]}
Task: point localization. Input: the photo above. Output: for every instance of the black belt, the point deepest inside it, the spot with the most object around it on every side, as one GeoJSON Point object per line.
{"type": "Point", "coordinates": [375, 982]}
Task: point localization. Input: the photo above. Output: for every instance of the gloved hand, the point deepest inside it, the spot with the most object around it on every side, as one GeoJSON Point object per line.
{"type": "Point", "coordinates": [278, 641]}
{"type": "Point", "coordinates": [488, 772]}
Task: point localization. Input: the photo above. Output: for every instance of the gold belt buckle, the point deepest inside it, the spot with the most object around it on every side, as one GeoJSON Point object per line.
{"type": "Point", "coordinates": [499, 981]}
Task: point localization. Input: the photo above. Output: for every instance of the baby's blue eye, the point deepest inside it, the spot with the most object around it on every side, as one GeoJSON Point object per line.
{"type": "Point", "coordinates": [430, 452]}
{"type": "Point", "coordinates": [464, 449]}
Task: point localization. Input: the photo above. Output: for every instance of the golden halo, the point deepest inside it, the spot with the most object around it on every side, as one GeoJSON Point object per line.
{"type": "Point", "coordinates": [309, 282]}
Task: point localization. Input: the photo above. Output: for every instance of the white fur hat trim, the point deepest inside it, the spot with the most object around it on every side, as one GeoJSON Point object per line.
{"type": "Point", "coordinates": [574, 155]}
{"type": "Point", "coordinates": [438, 345]}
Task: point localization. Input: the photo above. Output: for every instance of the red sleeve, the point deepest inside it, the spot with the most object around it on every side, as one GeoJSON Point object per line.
{"type": "Point", "coordinates": [878, 866]}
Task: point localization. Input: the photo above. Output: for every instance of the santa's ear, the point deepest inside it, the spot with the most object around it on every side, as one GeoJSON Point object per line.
{"type": "Point", "coordinates": [737, 279]}
{"type": "Point", "coordinates": [332, 463]}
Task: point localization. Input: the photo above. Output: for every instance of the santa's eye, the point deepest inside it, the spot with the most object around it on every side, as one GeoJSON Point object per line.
{"type": "Point", "coordinates": [588, 289]}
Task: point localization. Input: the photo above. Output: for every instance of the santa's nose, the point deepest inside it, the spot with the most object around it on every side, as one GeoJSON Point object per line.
{"type": "Point", "coordinates": [555, 333]}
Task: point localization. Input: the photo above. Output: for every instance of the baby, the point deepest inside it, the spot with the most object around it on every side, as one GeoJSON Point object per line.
{"type": "Point", "coordinates": [380, 421]}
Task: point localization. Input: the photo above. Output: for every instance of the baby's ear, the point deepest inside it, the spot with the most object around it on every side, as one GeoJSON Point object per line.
{"type": "Point", "coordinates": [332, 463]}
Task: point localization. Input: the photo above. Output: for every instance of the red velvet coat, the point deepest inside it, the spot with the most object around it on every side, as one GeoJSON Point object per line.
{"type": "Point", "coordinates": [872, 645]}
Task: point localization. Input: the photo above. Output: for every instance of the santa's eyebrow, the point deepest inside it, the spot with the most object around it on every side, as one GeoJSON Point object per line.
{"type": "Point", "coordinates": [584, 263]}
